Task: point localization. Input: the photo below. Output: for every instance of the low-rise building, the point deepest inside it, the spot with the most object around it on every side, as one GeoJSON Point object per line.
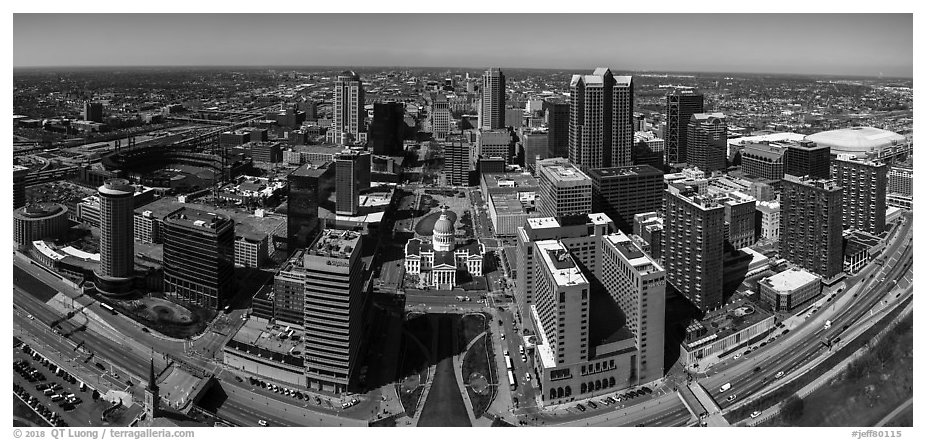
{"type": "Point", "coordinates": [789, 289]}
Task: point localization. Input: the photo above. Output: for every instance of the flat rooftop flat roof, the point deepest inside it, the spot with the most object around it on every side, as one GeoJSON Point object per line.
{"type": "Point", "coordinates": [635, 170]}
{"type": "Point", "coordinates": [636, 257]}
{"type": "Point", "coordinates": [246, 223]}
{"type": "Point", "coordinates": [789, 280]}
{"type": "Point", "coordinates": [559, 262]}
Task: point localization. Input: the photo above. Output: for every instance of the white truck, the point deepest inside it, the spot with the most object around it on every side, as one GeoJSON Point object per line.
{"type": "Point", "coordinates": [827, 325]}
{"type": "Point", "coordinates": [725, 387]}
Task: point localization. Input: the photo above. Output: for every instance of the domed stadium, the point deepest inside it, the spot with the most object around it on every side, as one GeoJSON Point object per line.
{"type": "Point", "coordinates": [867, 142]}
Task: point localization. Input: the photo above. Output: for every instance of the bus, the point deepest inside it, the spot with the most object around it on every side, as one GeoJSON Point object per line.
{"type": "Point", "coordinates": [511, 382]}
{"type": "Point", "coordinates": [108, 308]}
{"type": "Point", "coordinates": [508, 362]}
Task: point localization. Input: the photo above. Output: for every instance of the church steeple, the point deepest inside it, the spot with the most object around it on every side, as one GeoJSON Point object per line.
{"type": "Point", "coordinates": [152, 381]}
{"type": "Point", "coordinates": [152, 396]}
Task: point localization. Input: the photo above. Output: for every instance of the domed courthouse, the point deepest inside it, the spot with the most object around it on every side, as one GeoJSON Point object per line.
{"type": "Point", "coordinates": [437, 262]}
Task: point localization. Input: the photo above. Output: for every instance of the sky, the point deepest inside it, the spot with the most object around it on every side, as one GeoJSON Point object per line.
{"type": "Point", "coordinates": [834, 44]}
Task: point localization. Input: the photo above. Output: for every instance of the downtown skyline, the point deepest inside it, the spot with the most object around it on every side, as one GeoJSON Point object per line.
{"type": "Point", "coordinates": [803, 44]}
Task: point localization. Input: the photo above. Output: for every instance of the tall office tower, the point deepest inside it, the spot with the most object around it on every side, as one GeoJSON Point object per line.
{"type": "Point", "coordinates": [348, 104]}
{"type": "Point", "coordinates": [352, 175]}
{"type": "Point", "coordinates": [624, 192]}
{"type": "Point", "coordinates": [117, 228]}
{"type": "Point", "coordinates": [199, 257]}
{"type": "Point", "coordinates": [680, 105]}
{"type": "Point", "coordinates": [440, 117]}
{"type": "Point", "coordinates": [564, 189]}
{"type": "Point", "coordinates": [93, 111]}
{"type": "Point", "coordinates": [557, 116]}
{"type": "Point", "coordinates": [864, 193]}
{"type": "Point", "coordinates": [739, 217]}
{"type": "Point", "coordinates": [811, 224]}
{"type": "Point", "coordinates": [19, 185]}
{"type": "Point", "coordinates": [334, 301]}
{"type": "Point", "coordinates": [693, 248]}
{"type": "Point", "coordinates": [600, 119]}
{"type": "Point", "coordinates": [456, 163]}
{"type": "Point", "coordinates": [306, 185]}
{"type": "Point", "coordinates": [492, 108]}
{"type": "Point", "coordinates": [806, 158]}
{"type": "Point", "coordinates": [580, 234]}
{"type": "Point", "coordinates": [649, 227]}
{"type": "Point", "coordinates": [763, 160]}
{"type": "Point", "coordinates": [496, 143]}
{"type": "Point", "coordinates": [388, 128]}
{"type": "Point", "coordinates": [638, 286]}
{"type": "Point", "coordinates": [514, 117]}
{"type": "Point", "coordinates": [707, 142]}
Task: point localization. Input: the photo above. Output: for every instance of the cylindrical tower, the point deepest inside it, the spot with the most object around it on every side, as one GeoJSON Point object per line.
{"type": "Point", "coordinates": [117, 248]}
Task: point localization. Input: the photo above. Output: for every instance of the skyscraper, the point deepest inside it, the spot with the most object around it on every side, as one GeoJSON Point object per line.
{"type": "Point", "coordinates": [334, 301]}
{"type": "Point", "coordinates": [306, 185]}
{"type": "Point", "coordinates": [388, 128]}
{"type": "Point", "coordinates": [693, 247]}
{"type": "Point", "coordinates": [707, 142]}
{"type": "Point", "coordinates": [117, 229]}
{"type": "Point", "coordinates": [456, 163]}
{"type": "Point", "coordinates": [623, 192]}
{"type": "Point", "coordinates": [352, 175]}
{"type": "Point", "coordinates": [19, 185]}
{"type": "Point", "coordinates": [811, 224]}
{"type": "Point", "coordinates": [93, 111]}
{"type": "Point", "coordinates": [440, 117]}
{"type": "Point", "coordinates": [348, 108]}
{"type": "Point", "coordinates": [564, 189]}
{"type": "Point", "coordinates": [557, 115]}
{"type": "Point", "coordinates": [600, 120]}
{"type": "Point", "coordinates": [492, 109]}
{"type": "Point", "coordinates": [680, 105]}
{"type": "Point", "coordinates": [199, 257]}
{"type": "Point", "coordinates": [496, 143]}
{"type": "Point", "coordinates": [864, 193]}
{"type": "Point", "coordinates": [806, 158]}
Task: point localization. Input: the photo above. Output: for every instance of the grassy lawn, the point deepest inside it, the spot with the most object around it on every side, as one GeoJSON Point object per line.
{"type": "Point", "coordinates": [473, 325]}
{"type": "Point", "coordinates": [870, 388]}
{"type": "Point", "coordinates": [480, 362]}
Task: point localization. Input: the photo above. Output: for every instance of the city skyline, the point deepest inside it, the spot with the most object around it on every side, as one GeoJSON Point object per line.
{"type": "Point", "coordinates": [824, 44]}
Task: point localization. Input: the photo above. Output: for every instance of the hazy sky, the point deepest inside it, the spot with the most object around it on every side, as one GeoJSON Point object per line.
{"type": "Point", "coordinates": [850, 44]}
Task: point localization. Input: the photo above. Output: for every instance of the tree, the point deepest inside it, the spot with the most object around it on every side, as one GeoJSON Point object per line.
{"type": "Point", "coordinates": [792, 409]}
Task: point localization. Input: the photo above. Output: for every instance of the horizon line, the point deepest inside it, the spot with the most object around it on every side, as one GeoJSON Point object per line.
{"type": "Point", "coordinates": [271, 66]}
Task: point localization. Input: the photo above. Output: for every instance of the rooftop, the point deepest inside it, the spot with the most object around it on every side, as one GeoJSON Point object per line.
{"type": "Point", "coordinates": [246, 223]}
{"type": "Point", "coordinates": [734, 317]}
{"type": "Point", "coordinates": [789, 280]}
{"type": "Point", "coordinates": [561, 171]}
{"type": "Point", "coordinates": [635, 170]}
{"type": "Point", "coordinates": [195, 218]}
{"type": "Point", "coordinates": [559, 262]}
{"type": "Point", "coordinates": [335, 243]}
{"type": "Point", "coordinates": [826, 184]}
{"type": "Point", "coordinates": [856, 140]}
{"type": "Point", "coordinates": [542, 223]}
{"type": "Point", "coordinates": [632, 253]}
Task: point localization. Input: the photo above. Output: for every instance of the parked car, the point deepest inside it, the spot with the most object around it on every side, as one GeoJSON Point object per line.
{"type": "Point", "coordinates": [592, 404]}
{"type": "Point", "coordinates": [755, 414]}
{"type": "Point", "coordinates": [581, 407]}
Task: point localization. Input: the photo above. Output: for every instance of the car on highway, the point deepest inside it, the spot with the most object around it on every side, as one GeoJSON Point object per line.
{"type": "Point", "coordinates": [731, 397]}
{"type": "Point", "coordinates": [262, 422]}
{"type": "Point", "coordinates": [725, 387]}
{"type": "Point", "coordinates": [779, 374]}
{"type": "Point", "coordinates": [755, 414]}
{"type": "Point", "coordinates": [737, 356]}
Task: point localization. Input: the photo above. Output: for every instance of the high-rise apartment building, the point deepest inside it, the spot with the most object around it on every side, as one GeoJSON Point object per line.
{"type": "Point", "coordinates": [289, 292]}
{"type": "Point", "coordinates": [693, 247]}
{"type": "Point", "coordinates": [648, 150]}
{"type": "Point", "coordinates": [557, 116]}
{"type": "Point", "coordinates": [306, 190]}
{"type": "Point", "coordinates": [707, 142]}
{"type": "Point", "coordinates": [348, 110]}
{"type": "Point", "coordinates": [600, 119]}
{"type": "Point", "coordinates": [864, 193]}
{"type": "Point", "coordinates": [19, 185]}
{"type": "Point", "coordinates": [811, 224]}
{"type": "Point", "coordinates": [564, 189]}
{"type": "Point", "coordinates": [806, 158]}
{"type": "Point", "coordinates": [649, 227]}
{"type": "Point", "coordinates": [769, 213]}
{"type": "Point", "coordinates": [334, 302]}
{"type": "Point", "coordinates": [900, 187]}
{"type": "Point", "coordinates": [492, 107]}
{"type": "Point", "coordinates": [534, 144]}
{"type": "Point", "coordinates": [387, 130]}
{"type": "Point", "coordinates": [638, 285]}
{"type": "Point", "coordinates": [680, 106]}
{"type": "Point", "coordinates": [623, 192]}
{"type": "Point", "coordinates": [199, 257]}
{"type": "Point", "coordinates": [352, 175]}
{"type": "Point", "coordinates": [739, 217]}
{"type": "Point", "coordinates": [117, 229]}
